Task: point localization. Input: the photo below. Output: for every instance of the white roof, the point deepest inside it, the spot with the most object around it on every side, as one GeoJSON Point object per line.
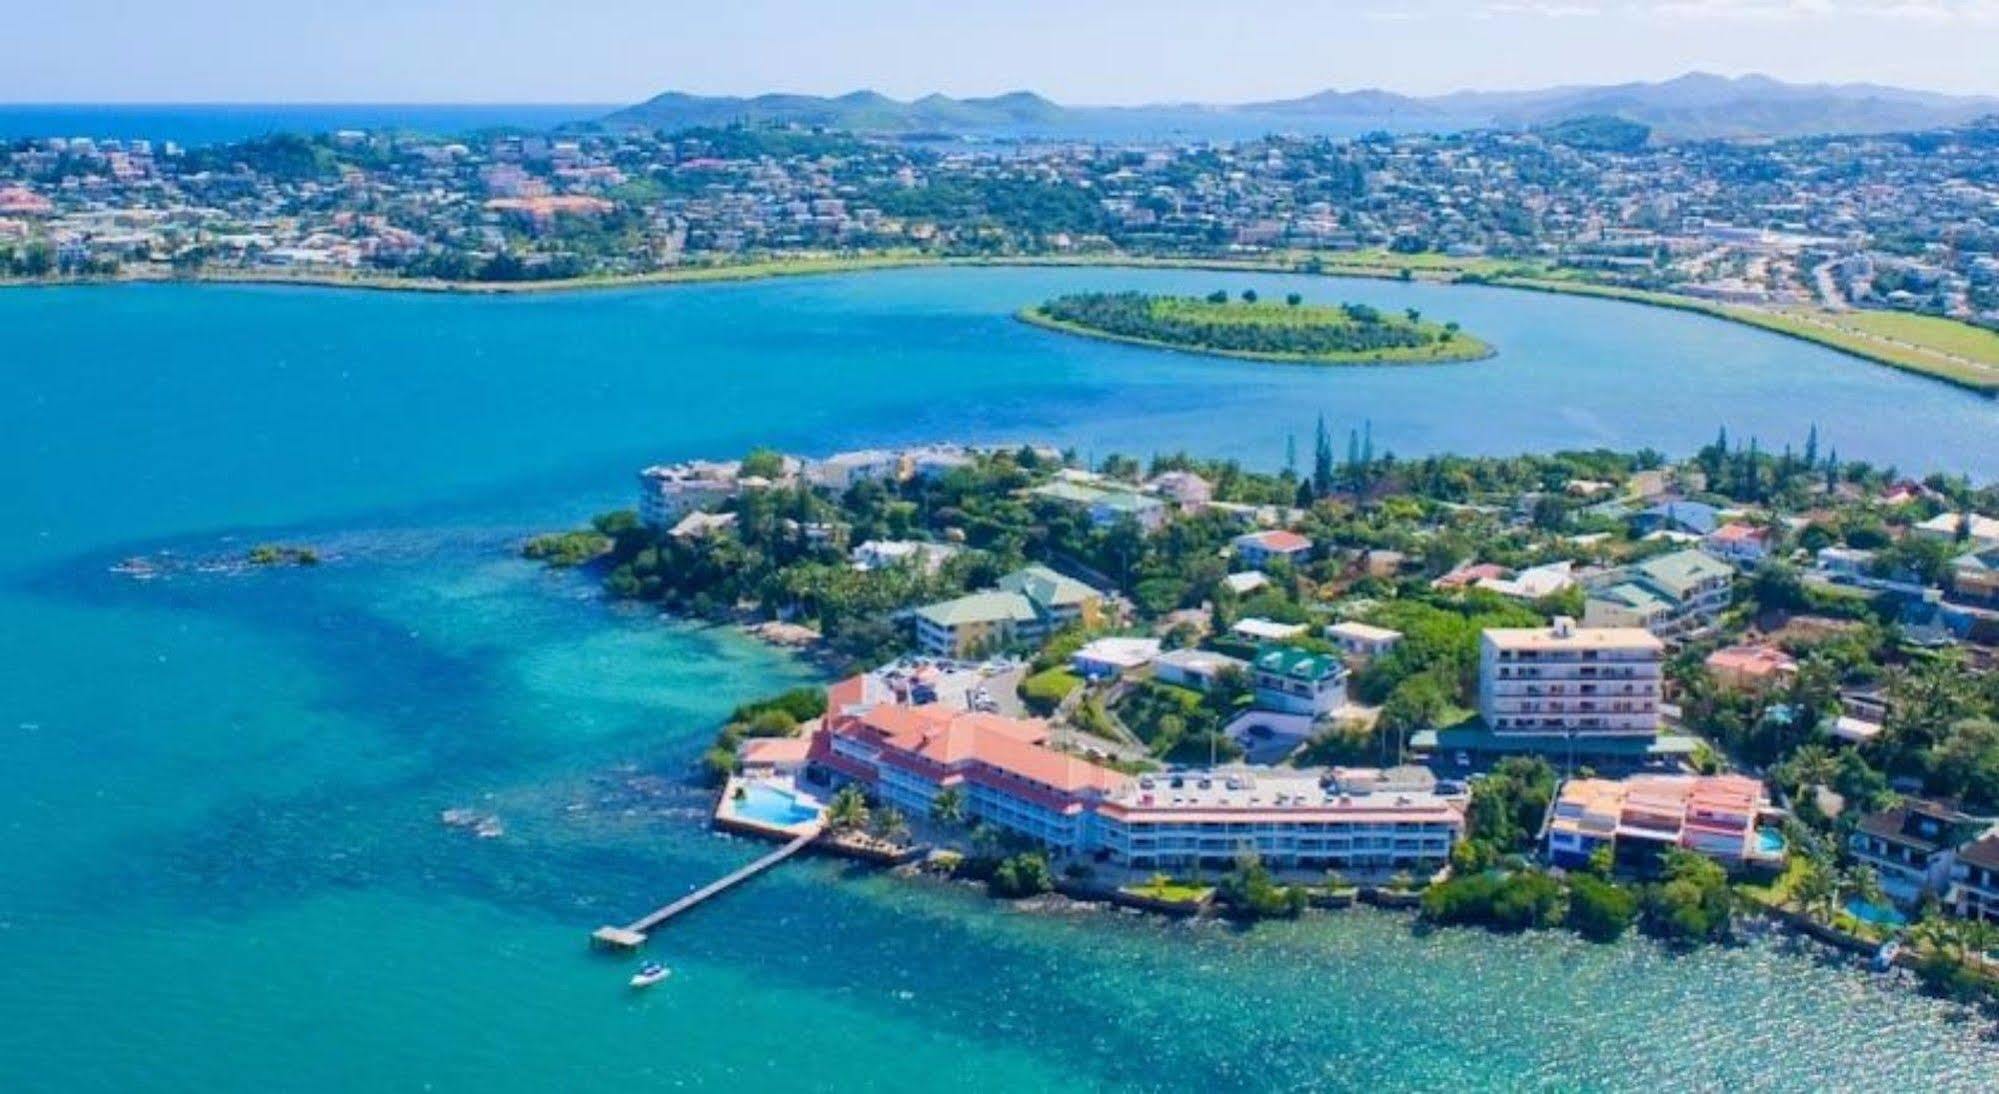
{"type": "Point", "coordinates": [1363, 632]}
{"type": "Point", "coordinates": [1247, 581]}
{"type": "Point", "coordinates": [1856, 730]}
{"type": "Point", "coordinates": [1946, 524]}
{"type": "Point", "coordinates": [1124, 653]}
{"type": "Point", "coordinates": [1268, 630]}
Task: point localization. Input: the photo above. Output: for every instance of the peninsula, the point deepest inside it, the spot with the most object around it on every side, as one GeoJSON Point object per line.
{"type": "Point", "coordinates": [1436, 684]}
{"type": "Point", "coordinates": [1293, 331]}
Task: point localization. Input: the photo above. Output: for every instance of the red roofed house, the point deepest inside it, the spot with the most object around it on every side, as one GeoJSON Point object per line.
{"type": "Point", "coordinates": [1257, 549]}
{"type": "Point", "coordinates": [22, 201]}
{"type": "Point", "coordinates": [1466, 576]}
{"type": "Point", "coordinates": [1751, 668]}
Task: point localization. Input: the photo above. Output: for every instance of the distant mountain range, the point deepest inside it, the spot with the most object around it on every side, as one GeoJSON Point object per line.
{"type": "Point", "coordinates": [1695, 106]}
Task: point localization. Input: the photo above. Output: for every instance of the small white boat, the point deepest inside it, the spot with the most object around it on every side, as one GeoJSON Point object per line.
{"type": "Point", "coordinates": [650, 973]}
{"type": "Point", "coordinates": [1884, 958]}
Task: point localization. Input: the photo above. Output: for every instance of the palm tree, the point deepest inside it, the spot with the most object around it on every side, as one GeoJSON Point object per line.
{"type": "Point", "coordinates": [1812, 765]}
{"type": "Point", "coordinates": [948, 807]}
{"type": "Point", "coordinates": [848, 810]}
{"type": "Point", "coordinates": [890, 825]}
{"type": "Point", "coordinates": [1817, 888]}
{"type": "Point", "coordinates": [1867, 886]}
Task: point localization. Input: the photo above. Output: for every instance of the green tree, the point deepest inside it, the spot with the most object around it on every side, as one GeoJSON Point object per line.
{"type": "Point", "coordinates": [948, 807]}
{"type": "Point", "coordinates": [848, 811]}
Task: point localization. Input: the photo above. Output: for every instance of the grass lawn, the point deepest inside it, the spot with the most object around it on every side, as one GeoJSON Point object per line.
{"type": "Point", "coordinates": [1045, 690]}
{"type": "Point", "coordinates": [1921, 344]}
{"type": "Point", "coordinates": [1170, 892]}
{"type": "Point", "coordinates": [1928, 331]}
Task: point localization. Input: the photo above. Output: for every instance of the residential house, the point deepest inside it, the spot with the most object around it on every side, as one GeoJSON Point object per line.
{"type": "Point", "coordinates": [1195, 668]}
{"type": "Point", "coordinates": [1186, 489]}
{"type": "Point", "coordinates": [1692, 518]}
{"type": "Point", "coordinates": [1290, 680]}
{"type": "Point", "coordinates": [1246, 582]}
{"type": "Point", "coordinates": [1107, 657]}
{"type": "Point", "coordinates": [1363, 640]}
{"type": "Point", "coordinates": [1533, 583]}
{"type": "Point", "coordinates": [1845, 563]}
{"type": "Point", "coordinates": [1259, 549]}
{"type": "Point", "coordinates": [1745, 545]}
{"type": "Point", "coordinates": [1912, 846]}
{"type": "Point", "coordinates": [882, 554]}
{"type": "Point", "coordinates": [1974, 575]}
{"type": "Point", "coordinates": [1974, 880]}
{"type": "Point", "coordinates": [1670, 595]}
{"type": "Point", "coordinates": [1267, 630]}
{"type": "Point", "coordinates": [702, 525]}
{"type": "Point", "coordinates": [1967, 527]}
{"type": "Point", "coordinates": [1107, 502]}
{"type": "Point", "coordinates": [1643, 816]}
{"type": "Point", "coordinates": [1751, 668]}
{"type": "Point", "coordinates": [840, 472]}
{"type": "Point", "coordinates": [1470, 575]}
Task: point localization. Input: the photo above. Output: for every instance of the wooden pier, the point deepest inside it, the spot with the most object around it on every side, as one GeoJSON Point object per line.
{"type": "Point", "coordinates": [633, 935]}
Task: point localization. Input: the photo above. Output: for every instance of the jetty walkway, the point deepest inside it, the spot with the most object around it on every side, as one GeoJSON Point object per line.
{"type": "Point", "coordinates": [633, 935]}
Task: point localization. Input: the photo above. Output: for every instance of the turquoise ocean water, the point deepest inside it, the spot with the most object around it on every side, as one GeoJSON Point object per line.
{"type": "Point", "coordinates": [223, 868]}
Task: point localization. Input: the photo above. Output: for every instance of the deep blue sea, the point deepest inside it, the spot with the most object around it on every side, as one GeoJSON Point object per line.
{"type": "Point", "coordinates": [221, 866]}
{"type": "Point", "coordinates": [192, 124]}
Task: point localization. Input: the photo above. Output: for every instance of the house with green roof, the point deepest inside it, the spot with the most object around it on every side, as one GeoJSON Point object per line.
{"type": "Point", "coordinates": [1670, 595]}
{"type": "Point", "coordinates": [1108, 502]}
{"type": "Point", "coordinates": [1290, 680]}
{"type": "Point", "coordinates": [1027, 606]}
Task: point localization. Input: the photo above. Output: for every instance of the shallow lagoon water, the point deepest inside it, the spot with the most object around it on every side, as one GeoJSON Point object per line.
{"type": "Point", "coordinates": [224, 868]}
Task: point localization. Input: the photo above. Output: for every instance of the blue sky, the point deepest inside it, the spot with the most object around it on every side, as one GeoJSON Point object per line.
{"type": "Point", "coordinates": [1078, 51]}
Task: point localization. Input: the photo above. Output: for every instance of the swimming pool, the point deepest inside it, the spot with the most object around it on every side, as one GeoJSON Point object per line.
{"type": "Point", "coordinates": [767, 804]}
{"type": "Point", "coordinates": [1880, 915]}
{"type": "Point", "coordinates": [1769, 841]}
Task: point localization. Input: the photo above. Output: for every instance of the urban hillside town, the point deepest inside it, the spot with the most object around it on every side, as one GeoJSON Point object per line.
{"type": "Point", "coordinates": [1906, 221]}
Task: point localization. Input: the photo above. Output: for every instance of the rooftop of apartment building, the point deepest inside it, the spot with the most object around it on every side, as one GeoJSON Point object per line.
{"type": "Point", "coordinates": [1566, 637]}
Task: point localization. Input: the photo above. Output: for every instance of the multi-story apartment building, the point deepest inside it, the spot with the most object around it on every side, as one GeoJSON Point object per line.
{"type": "Point", "coordinates": [668, 492]}
{"type": "Point", "coordinates": [1349, 820]}
{"type": "Point", "coordinates": [1671, 595]}
{"type": "Point", "coordinates": [1028, 605]}
{"type": "Point", "coordinates": [1567, 681]}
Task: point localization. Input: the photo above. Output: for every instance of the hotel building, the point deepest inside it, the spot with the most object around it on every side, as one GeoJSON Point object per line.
{"type": "Point", "coordinates": [1010, 778]}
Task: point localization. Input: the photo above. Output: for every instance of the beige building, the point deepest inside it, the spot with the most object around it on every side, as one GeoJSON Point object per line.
{"type": "Point", "coordinates": [1570, 680]}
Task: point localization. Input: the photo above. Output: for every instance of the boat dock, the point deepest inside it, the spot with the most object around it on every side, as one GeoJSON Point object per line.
{"type": "Point", "coordinates": [633, 935]}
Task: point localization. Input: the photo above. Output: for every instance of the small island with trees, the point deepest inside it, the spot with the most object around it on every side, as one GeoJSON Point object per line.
{"type": "Point", "coordinates": [1291, 331]}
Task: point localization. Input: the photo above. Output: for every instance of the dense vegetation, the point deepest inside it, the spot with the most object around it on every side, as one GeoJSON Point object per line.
{"type": "Point", "coordinates": [1291, 331]}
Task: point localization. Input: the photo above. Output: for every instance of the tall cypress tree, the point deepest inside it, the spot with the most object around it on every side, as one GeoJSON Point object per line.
{"type": "Point", "coordinates": [1322, 461]}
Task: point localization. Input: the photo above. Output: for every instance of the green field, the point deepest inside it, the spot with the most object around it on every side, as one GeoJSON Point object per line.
{"type": "Point", "coordinates": [1252, 329]}
{"type": "Point", "coordinates": [1944, 349]}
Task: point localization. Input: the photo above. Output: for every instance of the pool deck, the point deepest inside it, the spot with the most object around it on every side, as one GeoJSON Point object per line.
{"type": "Point", "coordinates": [728, 819]}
